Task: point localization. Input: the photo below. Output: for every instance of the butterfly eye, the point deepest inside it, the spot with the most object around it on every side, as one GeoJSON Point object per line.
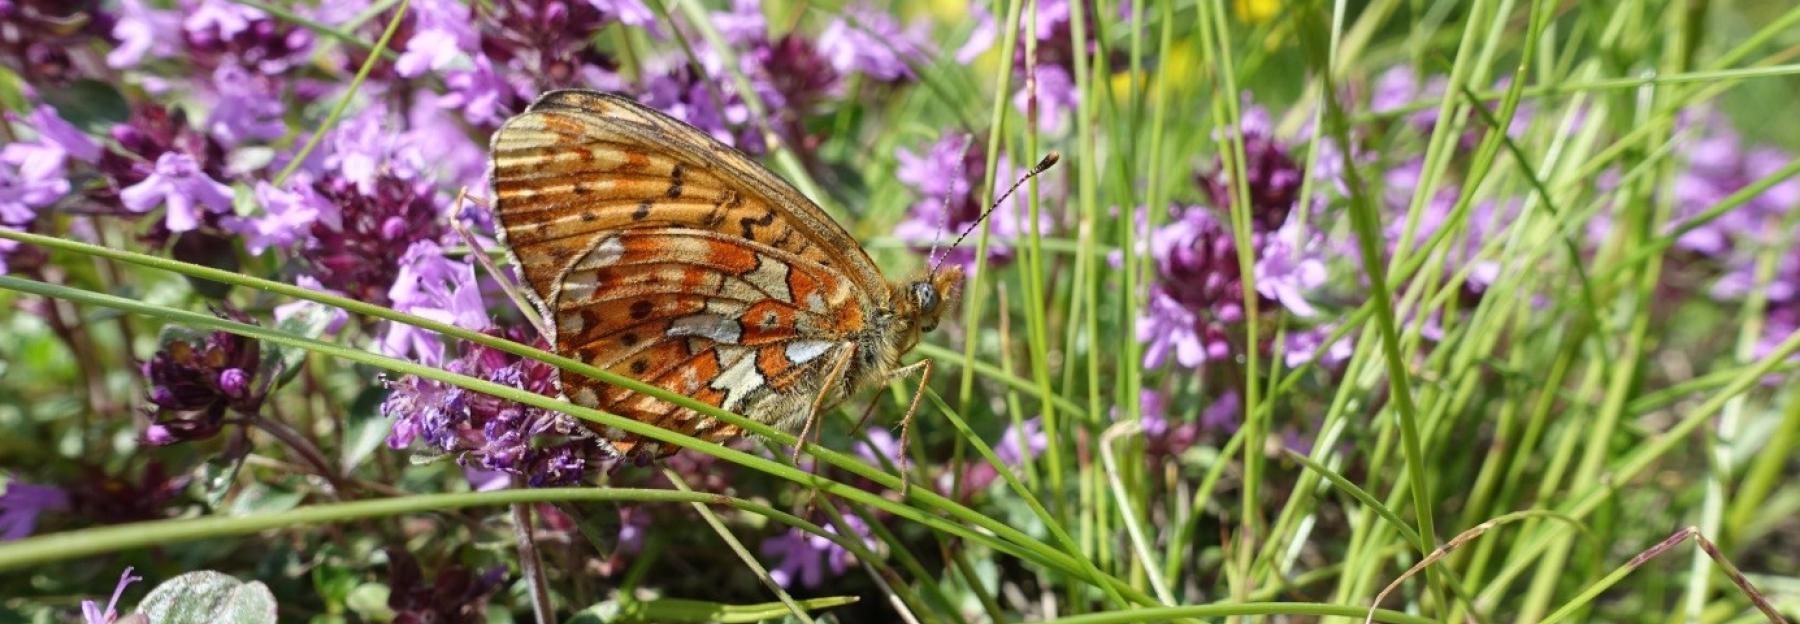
{"type": "Point", "coordinates": [925, 296]}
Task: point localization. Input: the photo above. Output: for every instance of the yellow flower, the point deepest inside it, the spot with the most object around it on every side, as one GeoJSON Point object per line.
{"type": "Point", "coordinates": [1255, 11]}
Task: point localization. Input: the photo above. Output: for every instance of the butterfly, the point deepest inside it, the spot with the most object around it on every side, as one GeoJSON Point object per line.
{"type": "Point", "coordinates": [656, 252]}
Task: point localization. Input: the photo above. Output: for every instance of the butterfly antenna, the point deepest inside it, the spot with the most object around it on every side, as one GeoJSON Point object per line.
{"type": "Point", "coordinates": [944, 223]}
{"type": "Point", "coordinates": [1049, 161]}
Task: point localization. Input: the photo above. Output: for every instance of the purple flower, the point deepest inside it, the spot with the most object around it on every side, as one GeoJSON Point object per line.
{"type": "Point", "coordinates": [43, 39]}
{"type": "Point", "coordinates": [550, 44]}
{"type": "Point", "coordinates": [806, 557]}
{"type": "Point", "coordinates": [1719, 164]}
{"type": "Point", "coordinates": [249, 107]}
{"type": "Point", "coordinates": [27, 185]}
{"type": "Point", "coordinates": [743, 25]}
{"type": "Point", "coordinates": [1197, 300]}
{"type": "Point", "coordinates": [1225, 414]}
{"type": "Point", "coordinates": [1167, 327]}
{"type": "Point", "coordinates": [439, 128]}
{"type": "Point", "coordinates": [143, 31]}
{"type": "Point", "coordinates": [1485, 219]}
{"type": "Point", "coordinates": [178, 183]}
{"type": "Point", "coordinates": [881, 445]}
{"type": "Point", "coordinates": [1272, 176]}
{"type": "Point", "coordinates": [687, 97]}
{"type": "Point", "coordinates": [1055, 96]}
{"type": "Point", "coordinates": [221, 32]}
{"type": "Point", "coordinates": [444, 30]}
{"type": "Point", "coordinates": [365, 147]}
{"type": "Point", "coordinates": [870, 41]}
{"type": "Point", "coordinates": [480, 94]}
{"type": "Point", "coordinates": [21, 503]}
{"type": "Point", "coordinates": [1027, 437]}
{"type": "Point", "coordinates": [1163, 437]}
{"type": "Point", "coordinates": [628, 12]}
{"type": "Point", "coordinates": [287, 216]}
{"type": "Point", "coordinates": [1399, 87]}
{"type": "Point", "coordinates": [337, 315]}
{"type": "Point", "coordinates": [151, 132]}
{"type": "Point", "coordinates": [1302, 343]}
{"type": "Point", "coordinates": [981, 38]}
{"type": "Point", "coordinates": [1284, 273]}
{"type": "Point", "coordinates": [91, 613]}
{"type": "Point", "coordinates": [792, 77]}
{"type": "Point", "coordinates": [634, 525]}
{"type": "Point", "coordinates": [433, 286]}
{"type": "Point", "coordinates": [58, 139]}
{"type": "Point", "coordinates": [489, 433]}
{"type": "Point", "coordinates": [193, 383]}
{"type": "Point", "coordinates": [945, 179]}
{"type": "Point", "coordinates": [1781, 296]}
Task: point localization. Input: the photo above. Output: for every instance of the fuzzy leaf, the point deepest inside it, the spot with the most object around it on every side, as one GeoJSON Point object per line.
{"type": "Point", "coordinates": [208, 597]}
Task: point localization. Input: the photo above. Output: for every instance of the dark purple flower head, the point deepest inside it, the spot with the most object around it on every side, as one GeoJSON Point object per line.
{"type": "Point", "coordinates": [792, 74]}
{"type": "Point", "coordinates": [546, 448]}
{"type": "Point", "coordinates": [946, 179]}
{"type": "Point", "coordinates": [41, 39]}
{"type": "Point", "coordinates": [21, 503]}
{"type": "Point", "coordinates": [151, 133]}
{"type": "Point", "coordinates": [92, 613]}
{"type": "Point", "coordinates": [221, 32]}
{"type": "Point", "coordinates": [550, 41]}
{"type": "Point", "coordinates": [358, 250]}
{"type": "Point", "coordinates": [1273, 178]}
{"type": "Point", "coordinates": [454, 593]}
{"type": "Point", "coordinates": [195, 381]}
{"type": "Point", "coordinates": [102, 497]}
{"type": "Point", "coordinates": [1164, 436]}
{"type": "Point", "coordinates": [1197, 301]}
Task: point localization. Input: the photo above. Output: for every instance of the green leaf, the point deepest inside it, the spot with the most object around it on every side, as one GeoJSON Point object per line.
{"type": "Point", "coordinates": [332, 580]}
{"type": "Point", "coordinates": [679, 610]}
{"type": "Point", "coordinates": [208, 597]}
{"type": "Point", "coordinates": [365, 429]}
{"type": "Point", "coordinates": [370, 600]}
{"type": "Point", "coordinates": [91, 105]}
{"type": "Point", "coordinates": [262, 498]}
{"type": "Point", "coordinates": [12, 91]}
{"type": "Point", "coordinates": [309, 319]}
{"type": "Point", "coordinates": [216, 475]}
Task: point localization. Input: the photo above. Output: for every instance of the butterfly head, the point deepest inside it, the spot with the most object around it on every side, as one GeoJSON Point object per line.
{"type": "Point", "coordinates": [925, 299]}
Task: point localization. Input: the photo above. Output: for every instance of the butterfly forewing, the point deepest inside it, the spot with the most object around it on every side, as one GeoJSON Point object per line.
{"type": "Point", "coordinates": [660, 254]}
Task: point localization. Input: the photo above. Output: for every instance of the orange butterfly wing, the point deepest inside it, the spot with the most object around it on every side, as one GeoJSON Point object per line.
{"type": "Point", "coordinates": [660, 254]}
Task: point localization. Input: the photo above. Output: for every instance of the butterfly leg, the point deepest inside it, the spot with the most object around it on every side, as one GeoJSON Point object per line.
{"type": "Point", "coordinates": [832, 379]}
{"type": "Point", "coordinates": [924, 368]}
